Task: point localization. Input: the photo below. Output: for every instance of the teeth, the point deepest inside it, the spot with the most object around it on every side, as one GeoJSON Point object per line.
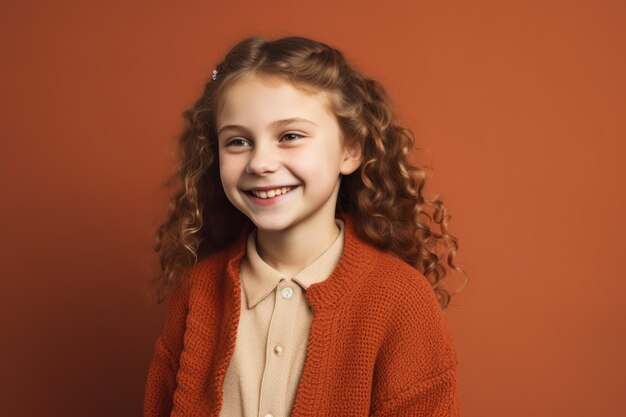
{"type": "Point", "coordinates": [272, 193]}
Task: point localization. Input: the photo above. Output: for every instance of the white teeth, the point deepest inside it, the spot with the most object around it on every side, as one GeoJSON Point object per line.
{"type": "Point", "coordinates": [272, 193]}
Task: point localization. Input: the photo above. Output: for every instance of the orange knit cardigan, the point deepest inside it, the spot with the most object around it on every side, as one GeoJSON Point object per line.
{"type": "Point", "coordinates": [378, 344]}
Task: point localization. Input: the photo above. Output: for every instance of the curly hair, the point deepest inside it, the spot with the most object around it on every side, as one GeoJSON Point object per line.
{"type": "Point", "coordinates": [385, 194]}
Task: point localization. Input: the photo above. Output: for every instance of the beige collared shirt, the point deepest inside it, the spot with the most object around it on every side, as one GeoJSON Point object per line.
{"type": "Point", "coordinates": [264, 372]}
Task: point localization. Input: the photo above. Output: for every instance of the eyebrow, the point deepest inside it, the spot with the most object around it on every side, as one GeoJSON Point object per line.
{"type": "Point", "coordinates": [276, 123]}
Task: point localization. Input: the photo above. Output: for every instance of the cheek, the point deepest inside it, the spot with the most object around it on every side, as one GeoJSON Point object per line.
{"type": "Point", "coordinates": [227, 173]}
{"type": "Point", "coordinates": [318, 166]}
{"type": "Point", "coordinates": [229, 181]}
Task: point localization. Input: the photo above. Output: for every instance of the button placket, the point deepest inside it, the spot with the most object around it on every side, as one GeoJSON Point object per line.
{"type": "Point", "coordinates": [279, 349]}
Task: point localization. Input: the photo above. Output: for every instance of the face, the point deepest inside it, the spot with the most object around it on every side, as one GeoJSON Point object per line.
{"type": "Point", "coordinates": [281, 153]}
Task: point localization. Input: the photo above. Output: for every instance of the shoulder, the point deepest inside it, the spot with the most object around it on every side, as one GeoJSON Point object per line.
{"type": "Point", "coordinates": [399, 283]}
{"type": "Point", "coordinates": [212, 264]}
{"type": "Point", "coordinates": [202, 277]}
{"type": "Point", "coordinates": [405, 302]}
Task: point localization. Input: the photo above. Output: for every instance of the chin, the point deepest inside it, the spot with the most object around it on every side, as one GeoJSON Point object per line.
{"type": "Point", "coordinates": [271, 226]}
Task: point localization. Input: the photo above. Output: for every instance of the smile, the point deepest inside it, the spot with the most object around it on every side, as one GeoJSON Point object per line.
{"type": "Point", "coordinates": [271, 193]}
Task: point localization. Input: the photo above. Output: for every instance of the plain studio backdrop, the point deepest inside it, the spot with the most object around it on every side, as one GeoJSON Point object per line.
{"type": "Point", "coordinates": [519, 103]}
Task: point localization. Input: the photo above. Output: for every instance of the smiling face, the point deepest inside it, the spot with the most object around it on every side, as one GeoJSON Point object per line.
{"type": "Point", "coordinates": [275, 137]}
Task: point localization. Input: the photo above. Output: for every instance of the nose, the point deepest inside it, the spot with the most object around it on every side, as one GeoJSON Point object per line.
{"type": "Point", "coordinates": [262, 160]}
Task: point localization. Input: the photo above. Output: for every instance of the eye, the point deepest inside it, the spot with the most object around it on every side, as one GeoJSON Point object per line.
{"type": "Point", "coordinates": [237, 142]}
{"type": "Point", "coordinates": [292, 135]}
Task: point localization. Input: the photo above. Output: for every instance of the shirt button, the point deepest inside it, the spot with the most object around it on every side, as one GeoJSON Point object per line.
{"type": "Point", "coordinates": [278, 350]}
{"type": "Point", "coordinates": [287, 292]}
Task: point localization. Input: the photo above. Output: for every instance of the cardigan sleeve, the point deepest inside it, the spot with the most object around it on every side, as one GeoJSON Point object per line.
{"type": "Point", "coordinates": [161, 380]}
{"type": "Point", "coordinates": [415, 372]}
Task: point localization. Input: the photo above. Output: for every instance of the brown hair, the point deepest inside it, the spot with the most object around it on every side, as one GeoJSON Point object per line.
{"type": "Point", "coordinates": [385, 194]}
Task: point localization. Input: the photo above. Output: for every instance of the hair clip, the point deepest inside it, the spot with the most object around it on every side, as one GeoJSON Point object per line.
{"type": "Point", "coordinates": [214, 76]}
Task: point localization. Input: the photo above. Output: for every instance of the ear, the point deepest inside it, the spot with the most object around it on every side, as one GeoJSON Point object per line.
{"type": "Point", "coordinates": [352, 158]}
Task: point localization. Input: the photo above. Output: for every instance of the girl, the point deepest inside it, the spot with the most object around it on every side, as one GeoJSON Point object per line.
{"type": "Point", "coordinates": [303, 274]}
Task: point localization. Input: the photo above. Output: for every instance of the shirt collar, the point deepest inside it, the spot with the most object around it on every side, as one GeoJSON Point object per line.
{"type": "Point", "coordinates": [259, 279]}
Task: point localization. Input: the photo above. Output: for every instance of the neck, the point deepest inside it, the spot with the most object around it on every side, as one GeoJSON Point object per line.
{"type": "Point", "coordinates": [290, 251]}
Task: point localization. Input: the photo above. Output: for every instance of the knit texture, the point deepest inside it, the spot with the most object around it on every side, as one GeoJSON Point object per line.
{"type": "Point", "coordinates": [378, 345]}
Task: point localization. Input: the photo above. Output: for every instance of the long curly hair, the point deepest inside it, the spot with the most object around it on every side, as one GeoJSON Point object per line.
{"type": "Point", "coordinates": [385, 195]}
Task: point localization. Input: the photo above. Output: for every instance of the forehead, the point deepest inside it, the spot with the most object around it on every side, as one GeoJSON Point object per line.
{"type": "Point", "coordinates": [257, 98]}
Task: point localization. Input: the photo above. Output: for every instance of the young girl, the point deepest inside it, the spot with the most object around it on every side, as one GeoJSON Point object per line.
{"type": "Point", "coordinates": [302, 271]}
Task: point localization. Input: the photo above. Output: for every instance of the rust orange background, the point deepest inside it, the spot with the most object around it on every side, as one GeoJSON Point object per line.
{"type": "Point", "coordinates": [520, 103]}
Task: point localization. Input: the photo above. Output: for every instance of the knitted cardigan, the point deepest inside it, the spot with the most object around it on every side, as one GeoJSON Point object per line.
{"type": "Point", "coordinates": [378, 344]}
